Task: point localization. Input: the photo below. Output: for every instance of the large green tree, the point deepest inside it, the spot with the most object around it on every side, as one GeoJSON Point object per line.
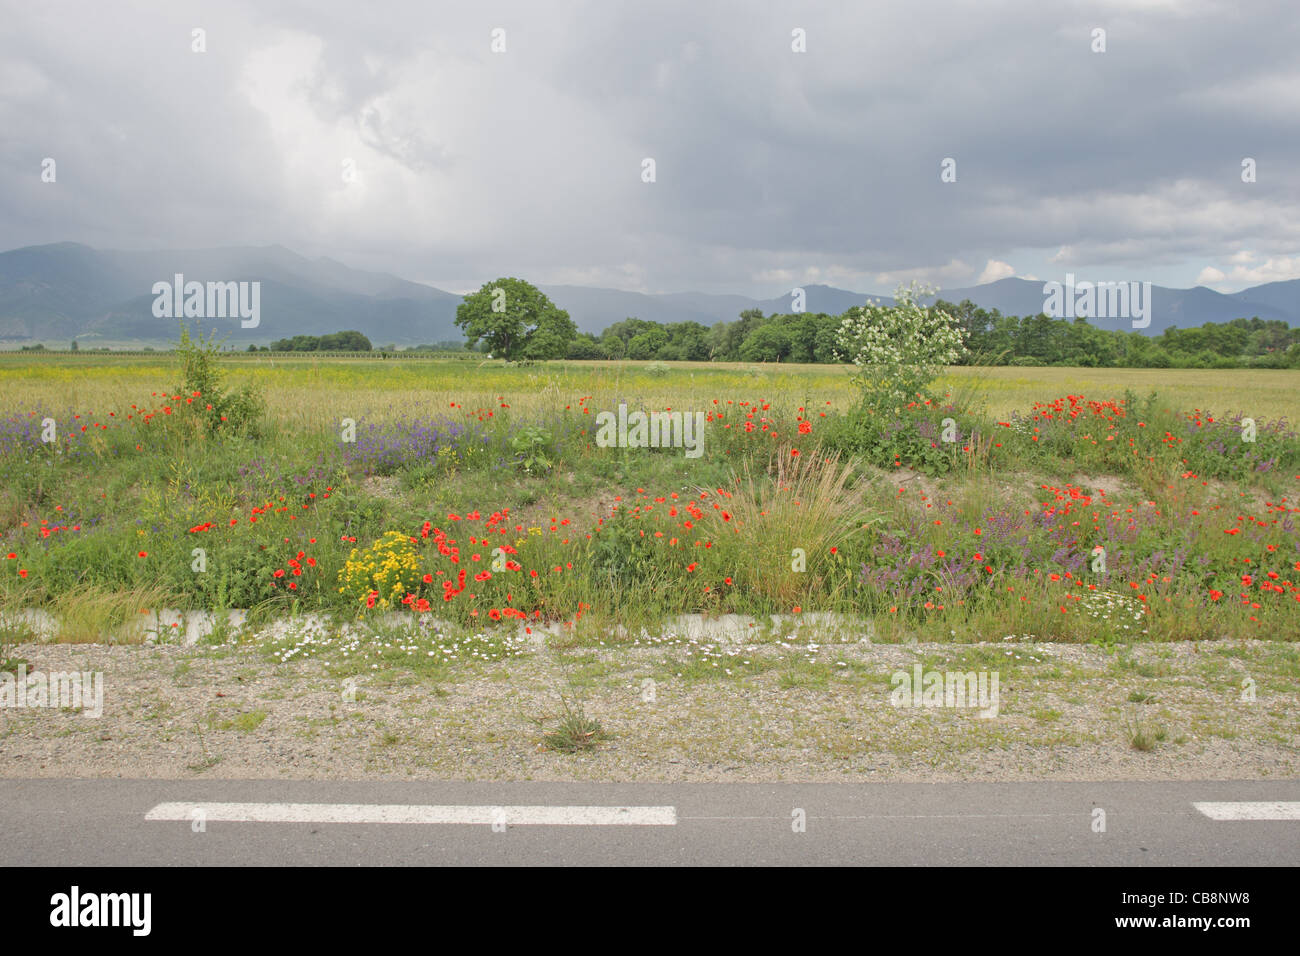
{"type": "Point", "coordinates": [646, 345]}
{"type": "Point", "coordinates": [515, 320]}
{"type": "Point", "coordinates": [690, 340]}
{"type": "Point", "coordinates": [767, 343]}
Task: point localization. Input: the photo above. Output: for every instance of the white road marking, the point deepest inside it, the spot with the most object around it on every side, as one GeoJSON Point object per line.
{"type": "Point", "coordinates": [1251, 810]}
{"type": "Point", "coordinates": [904, 816]}
{"type": "Point", "coordinates": [399, 813]}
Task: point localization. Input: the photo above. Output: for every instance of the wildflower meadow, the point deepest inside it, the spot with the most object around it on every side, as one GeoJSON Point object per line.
{"type": "Point", "coordinates": [361, 488]}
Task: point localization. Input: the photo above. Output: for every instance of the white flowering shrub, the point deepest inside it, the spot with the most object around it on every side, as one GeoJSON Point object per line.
{"type": "Point", "coordinates": [898, 351]}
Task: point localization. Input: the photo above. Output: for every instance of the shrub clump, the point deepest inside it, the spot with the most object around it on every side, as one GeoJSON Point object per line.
{"type": "Point", "coordinates": [207, 399]}
{"type": "Point", "coordinates": [898, 350]}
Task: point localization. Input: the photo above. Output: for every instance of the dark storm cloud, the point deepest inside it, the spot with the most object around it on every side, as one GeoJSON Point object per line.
{"type": "Point", "coordinates": [773, 167]}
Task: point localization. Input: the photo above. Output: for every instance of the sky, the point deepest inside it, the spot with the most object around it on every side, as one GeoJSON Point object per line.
{"type": "Point", "coordinates": [393, 136]}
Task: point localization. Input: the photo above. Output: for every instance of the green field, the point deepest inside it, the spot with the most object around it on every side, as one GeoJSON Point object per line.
{"type": "Point", "coordinates": [798, 503]}
{"type": "Point", "coordinates": [295, 383]}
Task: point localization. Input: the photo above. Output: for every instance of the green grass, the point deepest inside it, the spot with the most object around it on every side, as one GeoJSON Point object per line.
{"type": "Point", "coordinates": [1144, 733]}
{"type": "Point", "coordinates": [573, 731]}
{"type": "Point", "coordinates": [244, 723]}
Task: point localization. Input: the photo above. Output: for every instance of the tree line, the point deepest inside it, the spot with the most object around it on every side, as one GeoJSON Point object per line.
{"type": "Point", "coordinates": [1042, 340]}
{"type": "Point", "coordinates": [991, 338]}
{"type": "Point", "coordinates": [511, 319]}
{"type": "Point", "coordinates": [347, 341]}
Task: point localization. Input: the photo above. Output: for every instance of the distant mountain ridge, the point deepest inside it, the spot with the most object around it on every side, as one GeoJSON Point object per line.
{"type": "Point", "coordinates": [68, 290]}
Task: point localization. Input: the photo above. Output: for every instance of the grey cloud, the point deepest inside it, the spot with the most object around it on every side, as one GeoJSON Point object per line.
{"type": "Point", "coordinates": [769, 162]}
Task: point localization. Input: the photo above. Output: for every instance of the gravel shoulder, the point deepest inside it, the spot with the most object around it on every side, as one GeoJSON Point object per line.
{"type": "Point", "coordinates": [677, 708]}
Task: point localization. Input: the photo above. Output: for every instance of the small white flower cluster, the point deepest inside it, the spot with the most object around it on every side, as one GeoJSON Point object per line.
{"type": "Point", "coordinates": [1114, 608]}
{"type": "Point", "coordinates": [350, 644]}
{"type": "Point", "coordinates": [899, 350]}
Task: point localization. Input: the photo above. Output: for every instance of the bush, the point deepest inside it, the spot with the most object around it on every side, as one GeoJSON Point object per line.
{"type": "Point", "coordinates": [899, 351]}
{"type": "Point", "coordinates": [218, 410]}
{"type": "Point", "coordinates": [534, 449]}
{"type": "Point", "coordinates": [584, 349]}
{"type": "Point", "coordinates": [622, 553]}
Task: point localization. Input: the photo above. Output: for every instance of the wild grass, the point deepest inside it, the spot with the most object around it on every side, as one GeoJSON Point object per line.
{"type": "Point", "coordinates": [573, 731]}
{"type": "Point", "coordinates": [796, 507]}
{"type": "Point", "coordinates": [1143, 732]}
{"type": "Point", "coordinates": [94, 614]}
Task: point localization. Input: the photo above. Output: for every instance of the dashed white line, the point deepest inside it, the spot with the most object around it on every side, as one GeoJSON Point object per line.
{"type": "Point", "coordinates": [400, 813]}
{"type": "Point", "coordinates": [1251, 810]}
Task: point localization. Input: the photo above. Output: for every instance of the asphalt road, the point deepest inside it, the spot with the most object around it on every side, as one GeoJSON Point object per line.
{"type": "Point", "coordinates": [82, 822]}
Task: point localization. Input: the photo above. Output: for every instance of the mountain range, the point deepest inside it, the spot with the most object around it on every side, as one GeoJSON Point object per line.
{"type": "Point", "coordinates": [66, 290]}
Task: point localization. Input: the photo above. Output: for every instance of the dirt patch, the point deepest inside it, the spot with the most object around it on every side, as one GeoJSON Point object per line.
{"type": "Point", "coordinates": [677, 707]}
{"type": "Point", "coordinates": [382, 486]}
